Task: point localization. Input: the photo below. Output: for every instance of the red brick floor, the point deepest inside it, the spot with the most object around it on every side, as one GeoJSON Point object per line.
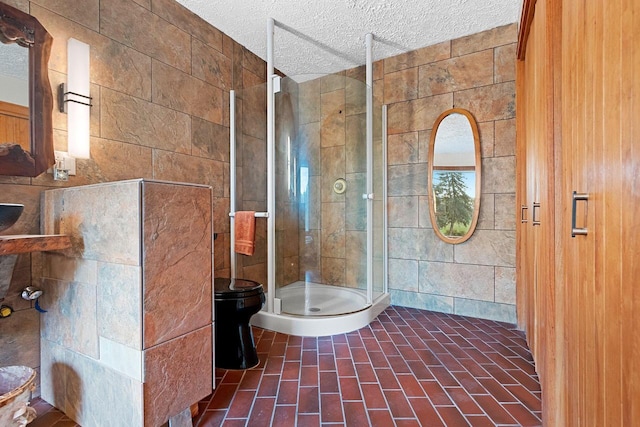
{"type": "Point", "coordinates": [407, 368]}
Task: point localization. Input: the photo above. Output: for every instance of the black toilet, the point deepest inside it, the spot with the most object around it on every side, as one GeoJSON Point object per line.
{"type": "Point", "coordinates": [236, 300]}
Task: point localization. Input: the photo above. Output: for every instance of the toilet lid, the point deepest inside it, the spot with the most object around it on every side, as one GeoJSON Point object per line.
{"type": "Point", "coordinates": [236, 288]}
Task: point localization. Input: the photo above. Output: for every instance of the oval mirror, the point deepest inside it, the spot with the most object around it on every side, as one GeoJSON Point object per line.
{"type": "Point", "coordinates": [26, 101]}
{"type": "Point", "coordinates": [454, 175]}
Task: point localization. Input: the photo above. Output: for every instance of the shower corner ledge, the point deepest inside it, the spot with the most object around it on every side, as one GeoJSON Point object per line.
{"type": "Point", "coordinates": [321, 325]}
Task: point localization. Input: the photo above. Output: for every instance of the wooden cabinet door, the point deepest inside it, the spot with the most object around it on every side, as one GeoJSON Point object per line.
{"type": "Point", "coordinates": [600, 157]}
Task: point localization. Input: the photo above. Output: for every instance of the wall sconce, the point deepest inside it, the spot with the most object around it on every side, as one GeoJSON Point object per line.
{"type": "Point", "coordinates": [74, 99]}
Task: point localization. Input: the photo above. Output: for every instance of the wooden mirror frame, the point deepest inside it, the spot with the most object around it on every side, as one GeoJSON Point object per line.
{"type": "Point", "coordinates": [25, 30]}
{"type": "Point", "coordinates": [478, 172]}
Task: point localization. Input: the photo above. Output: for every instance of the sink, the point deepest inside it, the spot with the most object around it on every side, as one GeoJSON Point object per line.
{"type": "Point", "coordinates": [9, 214]}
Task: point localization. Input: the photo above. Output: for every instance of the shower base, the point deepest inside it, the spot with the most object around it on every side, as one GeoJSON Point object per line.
{"type": "Point", "coordinates": [313, 309]}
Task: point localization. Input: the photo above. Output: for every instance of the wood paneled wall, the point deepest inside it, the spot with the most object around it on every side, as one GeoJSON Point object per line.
{"type": "Point", "coordinates": [14, 125]}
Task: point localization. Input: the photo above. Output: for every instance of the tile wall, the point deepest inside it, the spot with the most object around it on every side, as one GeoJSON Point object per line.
{"type": "Point", "coordinates": [475, 278]}
{"type": "Point", "coordinates": [160, 79]}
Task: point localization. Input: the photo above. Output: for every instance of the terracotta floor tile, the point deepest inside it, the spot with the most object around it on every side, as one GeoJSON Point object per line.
{"type": "Point", "coordinates": [426, 413]}
{"type": "Point", "coordinates": [308, 420]}
{"type": "Point", "coordinates": [269, 386]}
{"type": "Point", "coordinates": [308, 376]}
{"type": "Point", "coordinates": [349, 388]}
{"type": "Point", "coordinates": [408, 367]}
{"type": "Point", "coordinates": [398, 404]}
{"type": "Point", "coordinates": [329, 382]}
{"type": "Point", "coordinates": [331, 408]}
{"type": "Point", "coordinates": [262, 412]}
{"type": "Point", "coordinates": [380, 417]}
{"type": "Point", "coordinates": [241, 404]}
{"type": "Point", "coordinates": [410, 385]}
{"type": "Point", "coordinates": [387, 379]}
{"type": "Point", "coordinates": [288, 393]}
{"type": "Point", "coordinates": [452, 416]}
{"type": "Point", "coordinates": [284, 416]}
{"type": "Point", "coordinates": [373, 397]}
{"type": "Point", "coordinates": [308, 400]}
{"type": "Point", "coordinates": [345, 368]}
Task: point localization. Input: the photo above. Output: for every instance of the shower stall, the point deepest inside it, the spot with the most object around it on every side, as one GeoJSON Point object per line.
{"type": "Point", "coordinates": [312, 164]}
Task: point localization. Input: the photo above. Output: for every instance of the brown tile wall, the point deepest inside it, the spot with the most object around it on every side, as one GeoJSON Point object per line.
{"type": "Point", "coordinates": [160, 79]}
{"type": "Point", "coordinates": [475, 278]}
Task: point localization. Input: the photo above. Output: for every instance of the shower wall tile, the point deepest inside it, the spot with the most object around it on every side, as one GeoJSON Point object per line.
{"type": "Point", "coordinates": [418, 57]}
{"type": "Point", "coordinates": [116, 161]}
{"type": "Point", "coordinates": [88, 16]}
{"type": "Point", "coordinates": [488, 247]}
{"type": "Point", "coordinates": [356, 93]}
{"type": "Point", "coordinates": [407, 179]}
{"type": "Point", "coordinates": [135, 121]}
{"type": "Point", "coordinates": [332, 82]}
{"type": "Point", "coordinates": [424, 219]}
{"type": "Point", "coordinates": [310, 265]}
{"type": "Point", "coordinates": [505, 285]}
{"type": "Point", "coordinates": [505, 69]}
{"type": "Point", "coordinates": [177, 365]}
{"type": "Point", "coordinates": [333, 167]}
{"type": "Point", "coordinates": [403, 211]}
{"type": "Point", "coordinates": [309, 146]}
{"type": "Point", "coordinates": [119, 304]}
{"type": "Point", "coordinates": [493, 102]}
{"type": "Point", "coordinates": [421, 113]}
{"type": "Point", "coordinates": [189, 22]}
{"type": "Point", "coordinates": [183, 168]}
{"type": "Point", "coordinates": [221, 223]}
{"type": "Point", "coordinates": [333, 230]}
{"type": "Point", "coordinates": [403, 274]}
{"type": "Point", "coordinates": [135, 26]}
{"type": "Point", "coordinates": [505, 137]}
{"type": "Point", "coordinates": [178, 90]}
{"type": "Point", "coordinates": [422, 301]}
{"type": "Point", "coordinates": [333, 117]}
{"type": "Point", "coordinates": [291, 269]}
{"type": "Point", "coordinates": [497, 173]}
{"type": "Point", "coordinates": [458, 73]}
{"type": "Point", "coordinates": [309, 105]}
{"type": "Point", "coordinates": [356, 262]}
{"type": "Point", "coordinates": [486, 218]}
{"type": "Point", "coordinates": [211, 65]}
{"type": "Point", "coordinates": [505, 207]}
{"type": "Point", "coordinates": [506, 34]}
{"type": "Point", "coordinates": [355, 206]}
{"type": "Point", "coordinates": [457, 280]}
{"type": "Point", "coordinates": [404, 148]}
{"type": "Point", "coordinates": [486, 131]}
{"type": "Point", "coordinates": [310, 212]}
{"type": "Point", "coordinates": [401, 85]}
{"type": "Point", "coordinates": [71, 315]}
{"type": "Point", "coordinates": [418, 244]}
{"type": "Point", "coordinates": [485, 310]}
{"type": "Point", "coordinates": [356, 154]}
{"type": "Point", "coordinates": [209, 140]}
{"type": "Point", "coordinates": [333, 271]}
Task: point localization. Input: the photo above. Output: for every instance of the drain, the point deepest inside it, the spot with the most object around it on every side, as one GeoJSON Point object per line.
{"type": "Point", "coordinates": [314, 309]}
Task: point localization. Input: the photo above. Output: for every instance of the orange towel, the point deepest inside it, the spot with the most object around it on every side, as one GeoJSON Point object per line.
{"type": "Point", "coordinates": [245, 227]}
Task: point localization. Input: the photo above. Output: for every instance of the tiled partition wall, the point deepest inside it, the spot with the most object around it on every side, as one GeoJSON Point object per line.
{"type": "Point", "coordinates": [160, 80]}
{"type": "Point", "coordinates": [128, 332]}
{"type": "Point", "coordinates": [475, 278]}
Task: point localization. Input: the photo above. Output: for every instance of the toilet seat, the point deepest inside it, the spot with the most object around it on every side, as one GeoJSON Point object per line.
{"type": "Point", "coordinates": [236, 288]}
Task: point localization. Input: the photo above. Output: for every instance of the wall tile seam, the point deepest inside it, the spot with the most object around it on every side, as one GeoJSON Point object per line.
{"type": "Point", "coordinates": [491, 47]}
{"type": "Point", "coordinates": [458, 297]}
{"type": "Point", "coordinates": [65, 17]}
{"type": "Point", "coordinates": [454, 262]}
{"type": "Point", "coordinates": [384, 72]}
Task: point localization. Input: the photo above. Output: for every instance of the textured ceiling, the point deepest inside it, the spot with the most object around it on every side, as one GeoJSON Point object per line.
{"type": "Point", "coordinates": [325, 36]}
{"type": "Point", "coordinates": [14, 61]}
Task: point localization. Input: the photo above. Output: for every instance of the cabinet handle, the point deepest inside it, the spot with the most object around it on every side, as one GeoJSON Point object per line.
{"type": "Point", "coordinates": [523, 213]}
{"type": "Point", "coordinates": [575, 231]}
{"type": "Point", "coordinates": [534, 210]}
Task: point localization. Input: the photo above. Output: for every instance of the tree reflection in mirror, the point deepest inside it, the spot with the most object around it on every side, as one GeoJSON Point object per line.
{"type": "Point", "coordinates": [454, 172]}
